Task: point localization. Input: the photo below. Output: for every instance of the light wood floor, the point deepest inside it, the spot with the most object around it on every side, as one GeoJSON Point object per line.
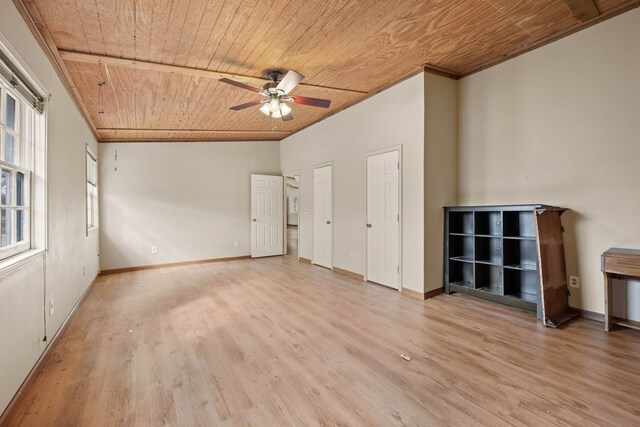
{"type": "Point", "coordinates": [273, 342]}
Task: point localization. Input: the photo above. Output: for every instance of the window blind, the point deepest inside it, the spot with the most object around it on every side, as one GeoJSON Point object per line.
{"type": "Point", "coordinates": [19, 83]}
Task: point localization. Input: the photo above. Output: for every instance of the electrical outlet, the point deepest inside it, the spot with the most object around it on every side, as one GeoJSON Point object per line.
{"type": "Point", "coordinates": [51, 306]}
{"type": "Point", "coordinates": [574, 281]}
{"type": "Point", "coordinates": [154, 249]}
{"type": "Point", "coordinates": [236, 244]}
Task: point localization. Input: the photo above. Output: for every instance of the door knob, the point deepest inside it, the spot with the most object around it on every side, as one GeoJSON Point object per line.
{"type": "Point", "coordinates": [254, 220]}
{"type": "Point", "coordinates": [328, 222]}
{"type": "Point", "coordinates": [368, 225]}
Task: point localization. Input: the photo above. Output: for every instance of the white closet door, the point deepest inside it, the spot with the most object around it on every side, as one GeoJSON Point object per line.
{"type": "Point", "coordinates": [323, 216]}
{"type": "Point", "coordinates": [267, 216]}
{"type": "Point", "coordinates": [383, 220]}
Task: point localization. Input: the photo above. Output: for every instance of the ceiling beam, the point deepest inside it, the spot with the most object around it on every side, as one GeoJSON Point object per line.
{"type": "Point", "coordinates": [583, 10]}
{"type": "Point", "coordinates": [194, 131]}
{"type": "Point", "coordinates": [90, 58]}
{"type": "Point", "coordinates": [145, 140]}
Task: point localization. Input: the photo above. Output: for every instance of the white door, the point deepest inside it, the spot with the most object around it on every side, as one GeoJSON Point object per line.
{"type": "Point", "coordinates": [383, 219]}
{"type": "Point", "coordinates": [267, 216]}
{"type": "Point", "coordinates": [323, 216]}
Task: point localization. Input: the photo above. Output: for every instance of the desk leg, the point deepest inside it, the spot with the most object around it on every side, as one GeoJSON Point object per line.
{"type": "Point", "coordinates": [607, 302]}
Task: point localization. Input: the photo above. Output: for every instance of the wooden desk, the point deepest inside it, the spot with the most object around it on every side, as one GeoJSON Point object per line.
{"type": "Point", "coordinates": [618, 262]}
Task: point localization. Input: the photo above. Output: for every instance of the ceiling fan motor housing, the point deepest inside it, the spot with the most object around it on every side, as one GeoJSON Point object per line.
{"type": "Point", "coordinates": [269, 88]}
{"type": "Point", "coordinates": [274, 75]}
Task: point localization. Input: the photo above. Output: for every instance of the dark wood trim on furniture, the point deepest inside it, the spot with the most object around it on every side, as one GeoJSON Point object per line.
{"type": "Point", "coordinates": [599, 317]}
{"type": "Point", "coordinates": [349, 273]}
{"type": "Point", "coordinates": [40, 363]}
{"type": "Point", "coordinates": [173, 264]}
{"type": "Point", "coordinates": [618, 263]}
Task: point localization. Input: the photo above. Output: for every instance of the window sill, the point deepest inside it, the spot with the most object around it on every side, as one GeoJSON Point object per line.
{"type": "Point", "coordinates": [15, 263]}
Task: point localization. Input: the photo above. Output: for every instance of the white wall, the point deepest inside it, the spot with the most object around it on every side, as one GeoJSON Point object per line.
{"type": "Point", "coordinates": [21, 326]}
{"type": "Point", "coordinates": [23, 295]}
{"type": "Point", "coordinates": [393, 117]}
{"type": "Point", "coordinates": [191, 200]}
{"type": "Point", "coordinates": [440, 169]}
{"type": "Point", "coordinates": [561, 125]}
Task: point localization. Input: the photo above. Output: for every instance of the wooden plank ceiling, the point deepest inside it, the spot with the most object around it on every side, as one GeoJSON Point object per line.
{"type": "Point", "coordinates": [161, 60]}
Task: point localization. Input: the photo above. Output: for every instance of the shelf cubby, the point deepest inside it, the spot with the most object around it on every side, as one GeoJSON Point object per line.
{"type": "Point", "coordinates": [489, 278]}
{"type": "Point", "coordinates": [461, 223]}
{"type": "Point", "coordinates": [461, 273]}
{"type": "Point", "coordinates": [519, 224]}
{"type": "Point", "coordinates": [488, 223]}
{"type": "Point", "coordinates": [461, 247]}
{"type": "Point", "coordinates": [520, 254]}
{"type": "Point", "coordinates": [522, 284]}
{"type": "Point", "coordinates": [489, 250]}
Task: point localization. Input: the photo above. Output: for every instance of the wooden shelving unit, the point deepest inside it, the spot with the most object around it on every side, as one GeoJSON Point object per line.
{"type": "Point", "coordinates": [491, 252]}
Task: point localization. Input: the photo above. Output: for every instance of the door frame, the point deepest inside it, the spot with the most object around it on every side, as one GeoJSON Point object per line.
{"type": "Point", "coordinates": [397, 148]}
{"type": "Point", "coordinates": [286, 211]}
{"type": "Point", "coordinates": [313, 255]}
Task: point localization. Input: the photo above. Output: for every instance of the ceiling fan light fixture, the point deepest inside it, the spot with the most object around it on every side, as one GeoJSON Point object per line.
{"type": "Point", "coordinates": [284, 108]}
{"type": "Point", "coordinates": [267, 110]}
{"type": "Point", "coordinates": [276, 95]}
{"type": "Point", "coordinates": [276, 115]}
{"type": "Point", "coordinates": [275, 108]}
{"type": "Point", "coordinates": [274, 105]}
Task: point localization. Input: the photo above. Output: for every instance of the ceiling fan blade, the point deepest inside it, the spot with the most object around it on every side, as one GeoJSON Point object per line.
{"type": "Point", "coordinates": [289, 81]}
{"type": "Point", "coordinates": [314, 102]}
{"type": "Point", "coordinates": [238, 84]}
{"type": "Point", "coordinates": [287, 117]}
{"type": "Point", "coordinates": [245, 105]}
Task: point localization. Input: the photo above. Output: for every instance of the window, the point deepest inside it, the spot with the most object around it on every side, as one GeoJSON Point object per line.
{"type": "Point", "coordinates": [92, 191]}
{"type": "Point", "coordinates": [22, 159]}
{"type": "Point", "coordinates": [17, 125]}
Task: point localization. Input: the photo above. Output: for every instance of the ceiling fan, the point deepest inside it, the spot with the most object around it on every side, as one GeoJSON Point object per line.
{"type": "Point", "coordinates": [276, 95]}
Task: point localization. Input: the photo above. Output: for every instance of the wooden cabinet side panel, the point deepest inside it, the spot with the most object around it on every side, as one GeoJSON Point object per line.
{"type": "Point", "coordinates": [553, 272]}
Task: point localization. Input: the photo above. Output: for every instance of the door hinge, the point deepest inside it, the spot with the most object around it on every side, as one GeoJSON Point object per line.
{"type": "Point", "coordinates": [398, 269]}
{"type": "Point", "coordinates": [398, 217]}
{"type": "Point", "coordinates": [398, 165]}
